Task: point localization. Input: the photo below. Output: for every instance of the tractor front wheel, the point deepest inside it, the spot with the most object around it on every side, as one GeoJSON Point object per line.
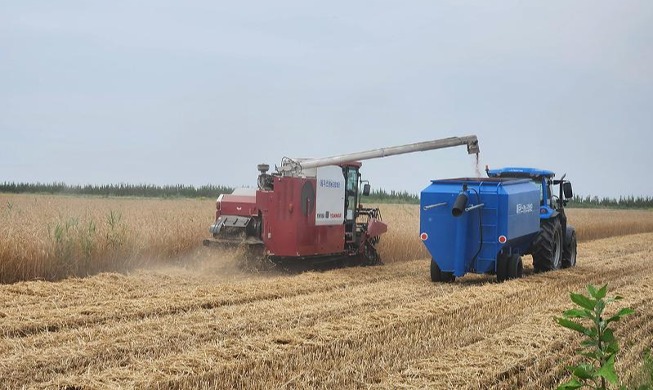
{"type": "Point", "coordinates": [547, 247]}
{"type": "Point", "coordinates": [569, 254]}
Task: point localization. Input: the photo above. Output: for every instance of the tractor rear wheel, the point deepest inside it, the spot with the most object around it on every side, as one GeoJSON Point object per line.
{"type": "Point", "coordinates": [569, 254]}
{"type": "Point", "coordinates": [438, 275]}
{"type": "Point", "coordinates": [547, 247]}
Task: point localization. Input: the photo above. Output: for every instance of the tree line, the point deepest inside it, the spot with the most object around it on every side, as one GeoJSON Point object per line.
{"type": "Point", "coordinates": [212, 191]}
{"type": "Point", "coordinates": [137, 190]}
{"type": "Point", "coordinates": [623, 202]}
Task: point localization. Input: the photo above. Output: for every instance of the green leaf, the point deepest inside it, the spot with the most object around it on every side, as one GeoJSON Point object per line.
{"type": "Point", "coordinates": [571, 385]}
{"type": "Point", "coordinates": [584, 371]}
{"type": "Point", "coordinates": [589, 343]}
{"type": "Point", "coordinates": [621, 313]}
{"type": "Point", "coordinates": [583, 301]}
{"type": "Point", "coordinates": [612, 347]}
{"type": "Point", "coordinates": [577, 313]}
{"type": "Point", "coordinates": [591, 355]}
{"type": "Point", "coordinates": [599, 307]}
{"type": "Point", "coordinates": [601, 293]}
{"type": "Point", "coordinates": [593, 333]}
{"type": "Point", "coordinates": [573, 325]}
{"type": "Point", "coordinates": [607, 336]}
{"type": "Point", "coordinates": [607, 371]}
{"type": "Point", "coordinates": [592, 290]}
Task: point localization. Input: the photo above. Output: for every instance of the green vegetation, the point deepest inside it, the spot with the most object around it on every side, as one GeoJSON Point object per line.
{"type": "Point", "coordinates": [599, 347]}
{"type": "Point", "coordinates": [624, 202]}
{"type": "Point", "coordinates": [212, 191]}
{"type": "Point", "coordinates": [138, 190]}
{"type": "Point", "coordinates": [169, 191]}
{"type": "Point", "coordinates": [382, 196]}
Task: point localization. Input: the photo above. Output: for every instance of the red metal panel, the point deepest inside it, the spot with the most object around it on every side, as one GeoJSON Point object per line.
{"type": "Point", "coordinates": [287, 230]}
{"type": "Point", "coordinates": [244, 205]}
{"type": "Point", "coordinates": [376, 228]}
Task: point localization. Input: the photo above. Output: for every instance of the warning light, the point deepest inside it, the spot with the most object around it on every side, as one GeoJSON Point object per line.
{"type": "Point", "coordinates": [424, 236]}
{"type": "Point", "coordinates": [502, 239]}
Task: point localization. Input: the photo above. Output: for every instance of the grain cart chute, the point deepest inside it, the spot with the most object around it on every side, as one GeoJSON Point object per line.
{"type": "Point", "coordinates": [310, 209]}
{"type": "Point", "coordinates": [486, 225]}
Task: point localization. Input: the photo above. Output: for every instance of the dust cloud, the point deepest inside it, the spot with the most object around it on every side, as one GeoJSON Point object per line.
{"type": "Point", "coordinates": [211, 265]}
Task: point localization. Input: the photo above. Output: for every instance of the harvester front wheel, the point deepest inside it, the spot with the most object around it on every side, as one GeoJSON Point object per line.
{"type": "Point", "coordinates": [547, 248]}
{"type": "Point", "coordinates": [569, 254]}
{"type": "Point", "coordinates": [371, 256]}
{"type": "Point", "coordinates": [438, 275]}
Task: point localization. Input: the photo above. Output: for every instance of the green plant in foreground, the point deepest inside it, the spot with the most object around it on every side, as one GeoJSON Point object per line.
{"type": "Point", "coordinates": [600, 347]}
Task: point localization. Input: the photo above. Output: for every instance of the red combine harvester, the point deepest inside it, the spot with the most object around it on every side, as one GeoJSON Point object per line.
{"type": "Point", "coordinates": [309, 210]}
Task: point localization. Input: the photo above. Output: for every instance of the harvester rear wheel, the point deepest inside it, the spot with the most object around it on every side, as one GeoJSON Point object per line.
{"type": "Point", "coordinates": [569, 254]}
{"type": "Point", "coordinates": [547, 247]}
{"type": "Point", "coordinates": [438, 275]}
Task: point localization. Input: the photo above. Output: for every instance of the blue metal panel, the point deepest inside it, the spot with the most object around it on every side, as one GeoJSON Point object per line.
{"type": "Point", "coordinates": [470, 243]}
{"type": "Point", "coordinates": [520, 172]}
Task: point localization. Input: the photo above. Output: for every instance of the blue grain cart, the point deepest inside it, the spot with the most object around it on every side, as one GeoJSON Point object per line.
{"type": "Point", "coordinates": [486, 225]}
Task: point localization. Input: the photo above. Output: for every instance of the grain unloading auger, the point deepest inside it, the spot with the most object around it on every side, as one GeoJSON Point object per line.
{"type": "Point", "coordinates": [310, 210]}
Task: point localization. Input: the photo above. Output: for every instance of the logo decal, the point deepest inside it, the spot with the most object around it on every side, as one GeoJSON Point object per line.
{"type": "Point", "coordinates": [524, 208]}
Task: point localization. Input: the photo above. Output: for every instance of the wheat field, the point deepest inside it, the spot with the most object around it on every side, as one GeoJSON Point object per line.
{"type": "Point", "coordinates": [180, 316]}
{"type": "Point", "coordinates": [54, 237]}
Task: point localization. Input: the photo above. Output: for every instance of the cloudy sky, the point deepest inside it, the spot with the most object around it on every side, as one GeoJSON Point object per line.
{"type": "Point", "coordinates": [197, 92]}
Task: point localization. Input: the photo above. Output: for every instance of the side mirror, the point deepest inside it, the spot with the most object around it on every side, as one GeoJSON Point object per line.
{"type": "Point", "coordinates": [366, 190]}
{"type": "Point", "coordinates": [566, 188]}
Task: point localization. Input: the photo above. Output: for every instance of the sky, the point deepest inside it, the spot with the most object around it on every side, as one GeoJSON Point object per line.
{"type": "Point", "coordinates": [200, 92]}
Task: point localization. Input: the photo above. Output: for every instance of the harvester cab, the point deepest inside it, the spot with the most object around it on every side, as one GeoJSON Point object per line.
{"type": "Point", "coordinates": [310, 209]}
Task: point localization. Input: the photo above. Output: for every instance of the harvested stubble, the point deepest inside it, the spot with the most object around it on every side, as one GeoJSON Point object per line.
{"type": "Point", "coordinates": [381, 327]}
